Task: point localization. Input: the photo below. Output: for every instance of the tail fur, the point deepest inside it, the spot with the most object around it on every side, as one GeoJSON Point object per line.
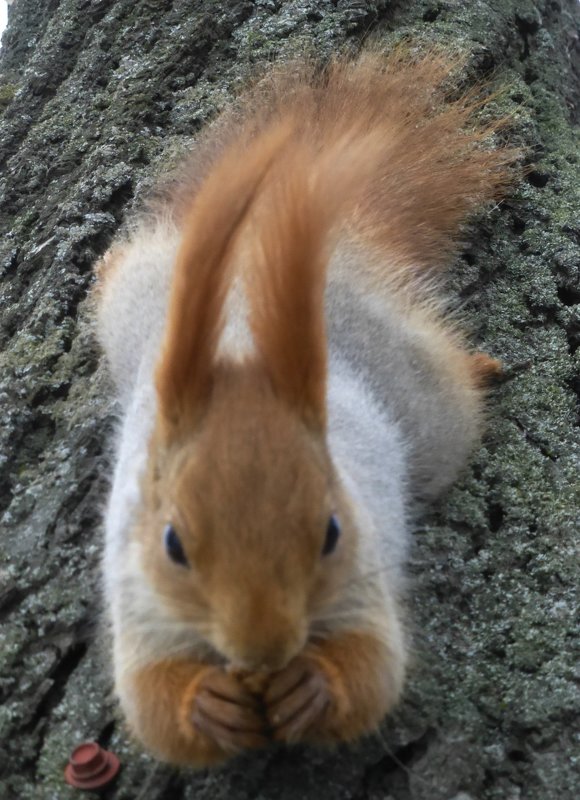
{"type": "Point", "coordinates": [371, 146]}
{"type": "Point", "coordinates": [437, 163]}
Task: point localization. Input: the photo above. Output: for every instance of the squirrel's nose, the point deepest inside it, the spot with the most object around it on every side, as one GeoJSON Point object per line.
{"type": "Point", "coordinates": [264, 656]}
{"type": "Point", "coordinates": [242, 665]}
{"type": "Point", "coordinates": [260, 639]}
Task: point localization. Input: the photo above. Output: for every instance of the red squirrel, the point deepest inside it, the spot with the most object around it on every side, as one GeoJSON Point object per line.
{"type": "Point", "coordinates": [289, 385]}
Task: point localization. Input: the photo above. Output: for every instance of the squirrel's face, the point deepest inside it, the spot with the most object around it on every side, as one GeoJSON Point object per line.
{"type": "Point", "coordinates": [247, 534]}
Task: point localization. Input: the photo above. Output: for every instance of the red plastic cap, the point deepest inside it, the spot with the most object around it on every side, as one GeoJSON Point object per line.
{"type": "Point", "coordinates": [91, 767]}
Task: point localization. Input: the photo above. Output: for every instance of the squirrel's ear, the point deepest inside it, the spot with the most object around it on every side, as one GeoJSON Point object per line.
{"type": "Point", "coordinates": [200, 281]}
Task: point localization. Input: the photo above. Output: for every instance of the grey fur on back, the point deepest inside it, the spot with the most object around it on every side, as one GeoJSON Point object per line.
{"type": "Point", "coordinates": [394, 360]}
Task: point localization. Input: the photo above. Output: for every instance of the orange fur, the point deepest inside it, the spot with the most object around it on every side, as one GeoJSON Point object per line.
{"type": "Point", "coordinates": [163, 725]}
{"type": "Point", "coordinates": [168, 725]}
{"type": "Point", "coordinates": [435, 166]}
{"type": "Point", "coordinates": [335, 690]}
{"type": "Point", "coordinates": [363, 685]}
{"type": "Point", "coordinates": [200, 279]}
{"type": "Point", "coordinates": [279, 489]}
{"type": "Point", "coordinates": [287, 294]}
{"type": "Point", "coordinates": [306, 196]}
{"type": "Point", "coordinates": [485, 370]}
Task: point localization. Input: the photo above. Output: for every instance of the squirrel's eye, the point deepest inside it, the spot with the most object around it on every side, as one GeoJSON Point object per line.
{"type": "Point", "coordinates": [332, 535]}
{"type": "Point", "coordinates": [173, 546]}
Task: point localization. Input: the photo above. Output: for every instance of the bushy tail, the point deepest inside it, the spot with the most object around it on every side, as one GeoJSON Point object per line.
{"type": "Point", "coordinates": [367, 148]}
{"type": "Point", "coordinates": [436, 163]}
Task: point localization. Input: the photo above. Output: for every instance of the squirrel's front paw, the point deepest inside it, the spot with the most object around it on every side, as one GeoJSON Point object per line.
{"type": "Point", "coordinates": [299, 700]}
{"type": "Point", "coordinates": [226, 713]}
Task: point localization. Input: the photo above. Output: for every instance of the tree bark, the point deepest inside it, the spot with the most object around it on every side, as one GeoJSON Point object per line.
{"type": "Point", "coordinates": [96, 96]}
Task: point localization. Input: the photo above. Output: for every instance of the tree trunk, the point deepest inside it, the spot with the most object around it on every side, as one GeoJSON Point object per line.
{"type": "Point", "coordinates": [95, 97]}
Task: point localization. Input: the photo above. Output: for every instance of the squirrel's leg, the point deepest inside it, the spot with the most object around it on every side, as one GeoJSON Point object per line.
{"type": "Point", "coordinates": [336, 689]}
{"type": "Point", "coordinates": [192, 713]}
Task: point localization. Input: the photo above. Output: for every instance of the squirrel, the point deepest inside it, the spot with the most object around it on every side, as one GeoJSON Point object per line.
{"type": "Point", "coordinates": [289, 385]}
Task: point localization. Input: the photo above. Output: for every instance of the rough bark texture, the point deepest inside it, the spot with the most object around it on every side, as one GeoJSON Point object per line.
{"type": "Point", "coordinates": [95, 96]}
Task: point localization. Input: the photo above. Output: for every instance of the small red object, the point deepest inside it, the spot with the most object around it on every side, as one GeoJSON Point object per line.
{"type": "Point", "coordinates": [91, 767]}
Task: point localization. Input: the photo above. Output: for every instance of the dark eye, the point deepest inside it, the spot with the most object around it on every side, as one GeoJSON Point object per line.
{"type": "Point", "coordinates": [173, 546]}
{"type": "Point", "coordinates": [332, 535]}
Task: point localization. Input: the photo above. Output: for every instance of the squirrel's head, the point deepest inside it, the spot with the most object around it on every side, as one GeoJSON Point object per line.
{"type": "Point", "coordinates": [247, 533]}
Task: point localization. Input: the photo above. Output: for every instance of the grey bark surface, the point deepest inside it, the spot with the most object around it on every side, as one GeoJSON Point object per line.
{"type": "Point", "coordinates": [95, 97]}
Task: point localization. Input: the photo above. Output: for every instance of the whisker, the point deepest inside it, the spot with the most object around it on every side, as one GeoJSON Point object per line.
{"type": "Point", "coordinates": [385, 569]}
{"type": "Point", "coordinates": [184, 649]}
{"type": "Point", "coordinates": [408, 770]}
{"type": "Point", "coordinates": [331, 616]}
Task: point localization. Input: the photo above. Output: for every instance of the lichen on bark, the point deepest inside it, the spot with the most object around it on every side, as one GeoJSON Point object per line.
{"type": "Point", "coordinates": [95, 96]}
